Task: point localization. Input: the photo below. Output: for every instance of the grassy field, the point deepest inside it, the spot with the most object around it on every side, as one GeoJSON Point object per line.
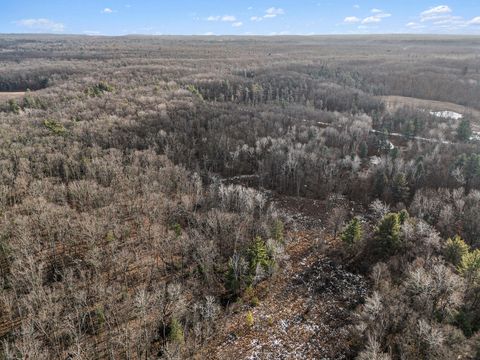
{"type": "Point", "coordinates": [11, 95]}
{"type": "Point", "coordinates": [393, 103]}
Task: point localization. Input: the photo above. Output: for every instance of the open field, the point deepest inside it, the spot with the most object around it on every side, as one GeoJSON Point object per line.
{"type": "Point", "coordinates": [11, 95]}
{"type": "Point", "coordinates": [395, 102]}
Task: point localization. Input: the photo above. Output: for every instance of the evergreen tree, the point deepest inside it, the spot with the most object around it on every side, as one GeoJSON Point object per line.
{"type": "Point", "coordinates": [258, 256]}
{"type": "Point", "coordinates": [418, 125]}
{"type": "Point", "coordinates": [409, 129]}
{"type": "Point", "coordinates": [277, 231]}
{"type": "Point", "coordinates": [387, 234]}
{"type": "Point", "coordinates": [363, 150]}
{"type": "Point", "coordinates": [472, 171]}
{"type": "Point", "coordinates": [236, 275]}
{"type": "Point", "coordinates": [352, 232]}
{"type": "Point", "coordinates": [400, 189]}
{"type": "Point", "coordinates": [455, 250]}
{"type": "Point", "coordinates": [403, 216]}
{"type": "Point", "coordinates": [379, 182]}
{"type": "Point", "coordinates": [469, 267]}
{"type": "Point", "coordinates": [464, 130]}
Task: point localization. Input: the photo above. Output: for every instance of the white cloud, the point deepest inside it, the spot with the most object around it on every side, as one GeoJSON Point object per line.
{"type": "Point", "coordinates": [441, 18]}
{"type": "Point", "coordinates": [273, 12]}
{"type": "Point", "coordinates": [377, 17]}
{"type": "Point", "coordinates": [209, 33]}
{"type": "Point", "coordinates": [436, 12]}
{"type": "Point", "coordinates": [450, 20]}
{"type": "Point", "coordinates": [475, 21]}
{"type": "Point", "coordinates": [107, 11]}
{"type": "Point", "coordinates": [380, 13]}
{"type": "Point", "coordinates": [228, 18]}
{"type": "Point", "coordinates": [237, 24]}
{"type": "Point", "coordinates": [224, 18]}
{"type": "Point", "coordinates": [371, 20]}
{"type": "Point", "coordinates": [41, 25]}
{"type": "Point", "coordinates": [356, 6]}
{"type": "Point", "coordinates": [351, 20]}
{"type": "Point", "coordinates": [442, 9]}
{"type": "Point", "coordinates": [270, 13]}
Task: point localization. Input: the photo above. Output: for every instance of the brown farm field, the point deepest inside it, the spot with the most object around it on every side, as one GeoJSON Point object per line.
{"type": "Point", "coordinates": [11, 95]}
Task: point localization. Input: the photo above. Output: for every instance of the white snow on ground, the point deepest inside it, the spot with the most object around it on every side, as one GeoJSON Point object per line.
{"type": "Point", "coordinates": [447, 114]}
{"type": "Point", "coordinates": [412, 137]}
{"type": "Point", "coordinates": [475, 136]}
{"type": "Point", "coordinates": [375, 160]}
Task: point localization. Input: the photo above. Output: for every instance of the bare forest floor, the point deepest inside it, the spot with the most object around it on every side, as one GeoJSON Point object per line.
{"type": "Point", "coordinates": [304, 312]}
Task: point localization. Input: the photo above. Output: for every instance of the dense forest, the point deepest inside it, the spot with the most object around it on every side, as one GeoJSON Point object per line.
{"type": "Point", "coordinates": [239, 197]}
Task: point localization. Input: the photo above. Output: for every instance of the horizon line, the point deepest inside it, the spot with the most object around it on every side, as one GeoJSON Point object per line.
{"type": "Point", "coordinates": [242, 35]}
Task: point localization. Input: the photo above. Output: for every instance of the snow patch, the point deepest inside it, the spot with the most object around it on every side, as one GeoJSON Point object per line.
{"type": "Point", "coordinates": [475, 136]}
{"type": "Point", "coordinates": [375, 160]}
{"type": "Point", "coordinates": [447, 114]}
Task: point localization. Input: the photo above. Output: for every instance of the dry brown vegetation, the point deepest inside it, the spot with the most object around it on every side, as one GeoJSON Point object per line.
{"type": "Point", "coordinates": [11, 95]}
{"type": "Point", "coordinates": [233, 197]}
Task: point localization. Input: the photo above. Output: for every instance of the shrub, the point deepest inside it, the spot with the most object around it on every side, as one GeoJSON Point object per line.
{"type": "Point", "coordinates": [249, 319]}
{"type": "Point", "coordinates": [110, 236]}
{"type": "Point", "coordinates": [13, 106]}
{"type": "Point", "coordinates": [98, 89]}
{"type": "Point", "coordinates": [467, 322]}
{"type": "Point", "coordinates": [176, 332]}
{"type": "Point", "coordinates": [250, 296]}
{"type": "Point", "coordinates": [177, 229]}
{"type": "Point", "coordinates": [277, 231]}
{"type": "Point", "coordinates": [29, 102]}
{"type": "Point", "coordinates": [100, 317]}
{"type": "Point", "coordinates": [193, 89]}
{"type": "Point", "coordinates": [55, 127]}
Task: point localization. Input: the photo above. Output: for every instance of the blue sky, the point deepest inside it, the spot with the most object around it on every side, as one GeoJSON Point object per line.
{"type": "Point", "coordinates": [239, 17]}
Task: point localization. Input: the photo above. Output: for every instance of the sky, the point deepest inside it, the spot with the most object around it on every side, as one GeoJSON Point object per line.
{"type": "Point", "coordinates": [239, 17]}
